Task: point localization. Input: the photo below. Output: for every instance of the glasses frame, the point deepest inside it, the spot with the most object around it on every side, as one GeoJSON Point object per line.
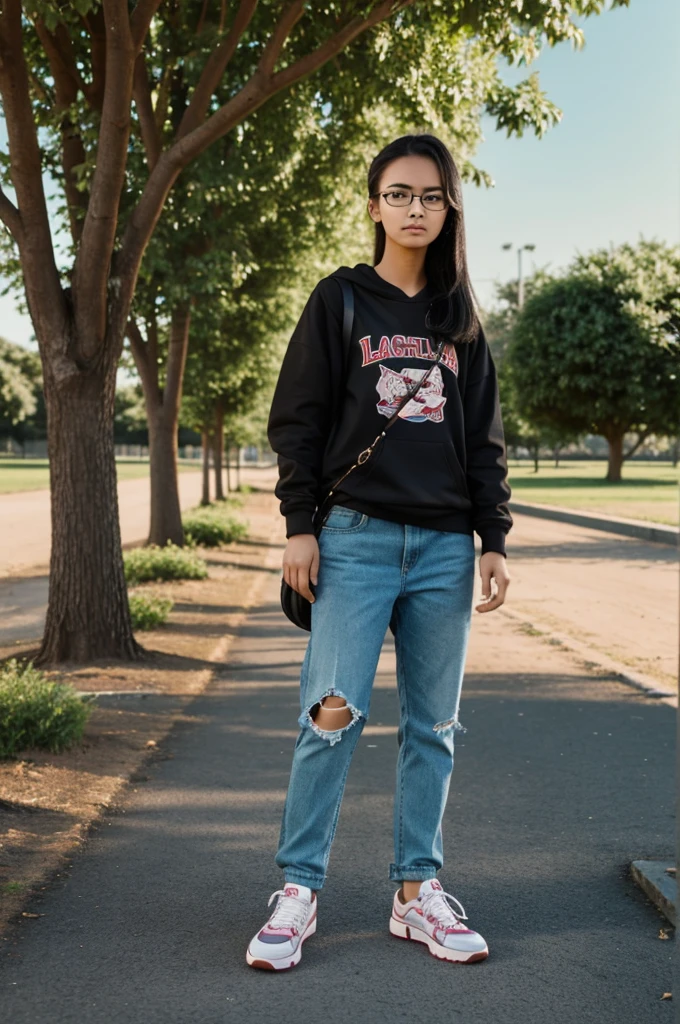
{"type": "Point", "coordinates": [414, 195]}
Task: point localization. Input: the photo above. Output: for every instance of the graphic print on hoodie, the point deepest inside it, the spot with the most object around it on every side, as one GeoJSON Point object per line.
{"type": "Point", "coordinates": [442, 465]}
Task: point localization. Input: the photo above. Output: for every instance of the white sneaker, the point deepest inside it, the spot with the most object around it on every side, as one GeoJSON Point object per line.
{"type": "Point", "coordinates": [278, 946]}
{"type": "Point", "coordinates": [430, 919]}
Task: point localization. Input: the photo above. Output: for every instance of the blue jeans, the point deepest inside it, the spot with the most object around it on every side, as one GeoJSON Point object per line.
{"type": "Point", "coordinates": [373, 574]}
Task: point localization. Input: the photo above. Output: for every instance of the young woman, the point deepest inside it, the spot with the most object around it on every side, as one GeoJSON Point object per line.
{"type": "Point", "coordinates": [397, 548]}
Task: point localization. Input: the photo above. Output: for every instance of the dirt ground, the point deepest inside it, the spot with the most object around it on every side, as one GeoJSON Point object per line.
{"type": "Point", "coordinates": [48, 801]}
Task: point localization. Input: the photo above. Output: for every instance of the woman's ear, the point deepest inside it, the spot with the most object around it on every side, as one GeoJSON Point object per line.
{"type": "Point", "coordinates": [372, 212]}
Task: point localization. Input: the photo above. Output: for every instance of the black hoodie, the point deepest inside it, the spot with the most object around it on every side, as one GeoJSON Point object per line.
{"type": "Point", "coordinates": [442, 465]}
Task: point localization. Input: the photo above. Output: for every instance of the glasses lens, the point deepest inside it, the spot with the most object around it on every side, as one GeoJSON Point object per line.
{"type": "Point", "coordinates": [431, 200]}
{"type": "Point", "coordinates": [398, 198]}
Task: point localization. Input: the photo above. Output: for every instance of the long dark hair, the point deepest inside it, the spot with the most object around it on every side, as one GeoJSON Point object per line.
{"type": "Point", "coordinates": [453, 310]}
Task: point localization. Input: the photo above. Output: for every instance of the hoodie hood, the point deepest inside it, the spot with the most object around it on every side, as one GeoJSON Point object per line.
{"type": "Point", "coordinates": [366, 277]}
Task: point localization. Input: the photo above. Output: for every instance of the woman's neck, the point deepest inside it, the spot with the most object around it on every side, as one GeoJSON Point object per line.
{"type": "Point", "coordinates": [404, 269]}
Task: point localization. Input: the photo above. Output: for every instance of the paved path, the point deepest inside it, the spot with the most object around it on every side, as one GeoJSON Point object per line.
{"type": "Point", "coordinates": [560, 781]}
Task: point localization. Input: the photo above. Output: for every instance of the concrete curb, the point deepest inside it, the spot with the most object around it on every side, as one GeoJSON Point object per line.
{"type": "Point", "coordinates": [661, 887]}
{"type": "Point", "coordinates": [648, 685]}
{"type": "Point", "coordinates": [642, 529]}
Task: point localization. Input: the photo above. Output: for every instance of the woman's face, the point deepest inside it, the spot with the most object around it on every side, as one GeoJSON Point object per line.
{"type": "Point", "coordinates": [420, 175]}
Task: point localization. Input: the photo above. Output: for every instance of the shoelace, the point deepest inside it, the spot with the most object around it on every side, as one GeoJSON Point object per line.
{"type": "Point", "coordinates": [435, 906]}
{"type": "Point", "coordinates": [290, 911]}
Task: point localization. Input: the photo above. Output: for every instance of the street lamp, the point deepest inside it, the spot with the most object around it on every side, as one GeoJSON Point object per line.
{"type": "Point", "coordinates": [520, 286]}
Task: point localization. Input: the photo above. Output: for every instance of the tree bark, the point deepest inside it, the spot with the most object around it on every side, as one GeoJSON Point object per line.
{"type": "Point", "coordinates": [205, 441]}
{"type": "Point", "coordinates": [165, 526]}
{"type": "Point", "coordinates": [615, 442]}
{"type": "Point", "coordinates": [87, 615]}
{"type": "Point", "coordinates": [218, 452]}
{"type": "Point", "coordinates": [162, 410]}
{"type": "Point", "coordinates": [228, 451]}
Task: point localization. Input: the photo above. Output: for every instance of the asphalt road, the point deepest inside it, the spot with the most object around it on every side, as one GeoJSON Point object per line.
{"type": "Point", "coordinates": [561, 780]}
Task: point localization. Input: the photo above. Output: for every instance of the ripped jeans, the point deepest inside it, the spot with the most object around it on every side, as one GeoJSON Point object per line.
{"type": "Point", "coordinates": [374, 573]}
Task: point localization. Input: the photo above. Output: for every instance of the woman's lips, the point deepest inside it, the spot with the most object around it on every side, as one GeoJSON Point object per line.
{"type": "Point", "coordinates": [413, 228]}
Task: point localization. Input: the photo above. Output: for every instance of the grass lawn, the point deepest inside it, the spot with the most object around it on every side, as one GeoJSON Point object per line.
{"type": "Point", "coordinates": [649, 490]}
{"type": "Point", "coordinates": [34, 475]}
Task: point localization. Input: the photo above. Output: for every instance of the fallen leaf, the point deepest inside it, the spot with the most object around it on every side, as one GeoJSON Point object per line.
{"type": "Point", "coordinates": [667, 995]}
{"type": "Point", "coordinates": [663, 934]}
{"type": "Point", "coordinates": [670, 871]}
{"type": "Point", "coordinates": [25, 913]}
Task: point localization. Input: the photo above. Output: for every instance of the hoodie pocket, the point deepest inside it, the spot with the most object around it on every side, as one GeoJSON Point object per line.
{"type": "Point", "coordinates": [418, 474]}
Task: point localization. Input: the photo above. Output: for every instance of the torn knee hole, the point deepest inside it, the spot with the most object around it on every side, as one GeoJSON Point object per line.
{"type": "Point", "coordinates": [330, 716]}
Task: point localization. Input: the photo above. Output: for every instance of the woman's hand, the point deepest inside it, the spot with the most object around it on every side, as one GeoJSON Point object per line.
{"type": "Point", "coordinates": [493, 565]}
{"type": "Point", "coordinates": [301, 563]}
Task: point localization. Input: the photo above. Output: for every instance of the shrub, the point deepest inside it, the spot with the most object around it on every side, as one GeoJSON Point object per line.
{"type": "Point", "coordinates": [37, 712]}
{"type": "Point", "coordinates": [149, 610]}
{"type": "Point", "coordinates": [212, 526]}
{"type": "Point", "coordinates": [168, 563]}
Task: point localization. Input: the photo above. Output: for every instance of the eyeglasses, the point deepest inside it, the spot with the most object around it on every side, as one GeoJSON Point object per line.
{"type": "Point", "coordinates": [402, 197]}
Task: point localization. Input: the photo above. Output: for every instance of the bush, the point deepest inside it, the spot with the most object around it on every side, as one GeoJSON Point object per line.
{"type": "Point", "coordinates": [148, 610]}
{"type": "Point", "coordinates": [212, 526]}
{"type": "Point", "coordinates": [36, 712]}
{"type": "Point", "coordinates": [168, 563]}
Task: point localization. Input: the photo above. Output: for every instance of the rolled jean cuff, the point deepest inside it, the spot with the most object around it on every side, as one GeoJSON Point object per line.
{"type": "Point", "coordinates": [411, 874]}
{"type": "Point", "coordinates": [296, 878]}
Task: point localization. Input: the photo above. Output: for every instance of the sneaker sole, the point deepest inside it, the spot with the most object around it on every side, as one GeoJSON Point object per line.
{"type": "Point", "coordinates": [456, 956]}
{"type": "Point", "coordinates": [284, 963]}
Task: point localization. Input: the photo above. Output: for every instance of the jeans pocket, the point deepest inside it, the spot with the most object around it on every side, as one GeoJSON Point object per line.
{"type": "Point", "coordinates": [345, 520]}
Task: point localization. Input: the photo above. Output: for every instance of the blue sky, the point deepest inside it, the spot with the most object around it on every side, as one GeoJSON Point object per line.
{"type": "Point", "coordinates": [608, 173]}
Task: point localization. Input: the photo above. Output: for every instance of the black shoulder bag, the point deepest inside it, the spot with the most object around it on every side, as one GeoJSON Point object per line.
{"type": "Point", "coordinates": [297, 608]}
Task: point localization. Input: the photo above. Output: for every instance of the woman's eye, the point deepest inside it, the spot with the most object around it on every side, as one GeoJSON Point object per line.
{"type": "Point", "coordinates": [397, 195]}
{"type": "Point", "coordinates": [433, 198]}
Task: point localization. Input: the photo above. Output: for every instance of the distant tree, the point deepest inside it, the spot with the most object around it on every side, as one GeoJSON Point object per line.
{"type": "Point", "coordinates": [598, 350]}
{"type": "Point", "coordinates": [20, 378]}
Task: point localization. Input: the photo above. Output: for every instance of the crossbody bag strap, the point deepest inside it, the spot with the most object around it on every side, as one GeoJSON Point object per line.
{"type": "Point", "coordinates": [365, 455]}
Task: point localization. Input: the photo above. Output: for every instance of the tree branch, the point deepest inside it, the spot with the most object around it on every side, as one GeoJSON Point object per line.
{"type": "Point", "coordinates": [44, 294]}
{"type": "Point", "coordinates": [67, 82]}
{"type": "Point", "coordinates": [253, 95]}
{"type": "Point", "coordinates": [642, 436]}
{"type": "Point", "coordinates": [177, 356]}
{"type": "Point", "coordinates": [91, 270]}
{"type": "Point", "coordinates": [141, 93]}
{"type": "Point", "coordinates": [10, 217]}
{"type": "Point", "coordinates": [214, 69]}
{"type": "Point", "coordinates": [140, 21]}
{"type": "Point", "coordinates": [96, 28]}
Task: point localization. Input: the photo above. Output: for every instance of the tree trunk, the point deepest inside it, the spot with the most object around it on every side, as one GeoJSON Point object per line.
{"type": "Point", "coordinates": [166, 515]}
{"type": "Point", "coordinates": [205, 441]}
{"type": "Point", "coordinates": [615, 442]}
{"type": "Point", "coordinates": [556, 454]}
{"type": "Point", "coordinates": [228, 451]}
{"type": "Point", "coordinates": [536, 456]}
{"type": "Point", "coordinates": [88, 615]}
{"type": "Point", "coordinates": [162, 411]}
{"type": "Point", "coordinates": [218, 452]}
{"type": "Point", "coordinates": [238, 467]}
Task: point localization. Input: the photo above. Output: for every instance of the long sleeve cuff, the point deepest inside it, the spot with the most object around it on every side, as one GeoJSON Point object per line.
{"type": "Point", "coordinates": [493, 539]}
{"type": "Point", "coordinates": [299, 522]}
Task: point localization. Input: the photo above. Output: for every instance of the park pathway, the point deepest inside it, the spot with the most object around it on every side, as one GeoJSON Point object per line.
{"type": "Point", "coordinates": [560, 781]}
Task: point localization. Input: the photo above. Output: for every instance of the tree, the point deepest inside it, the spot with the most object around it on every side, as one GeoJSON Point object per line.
{"type": "Point", "coordinates": [87, 75]}
{"type": "Point", "coordinates": [19, 380]}
{"type": "Point", "coordinates": [499, 324]}
{"type": "Point", "coordinates": [598, 350]}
